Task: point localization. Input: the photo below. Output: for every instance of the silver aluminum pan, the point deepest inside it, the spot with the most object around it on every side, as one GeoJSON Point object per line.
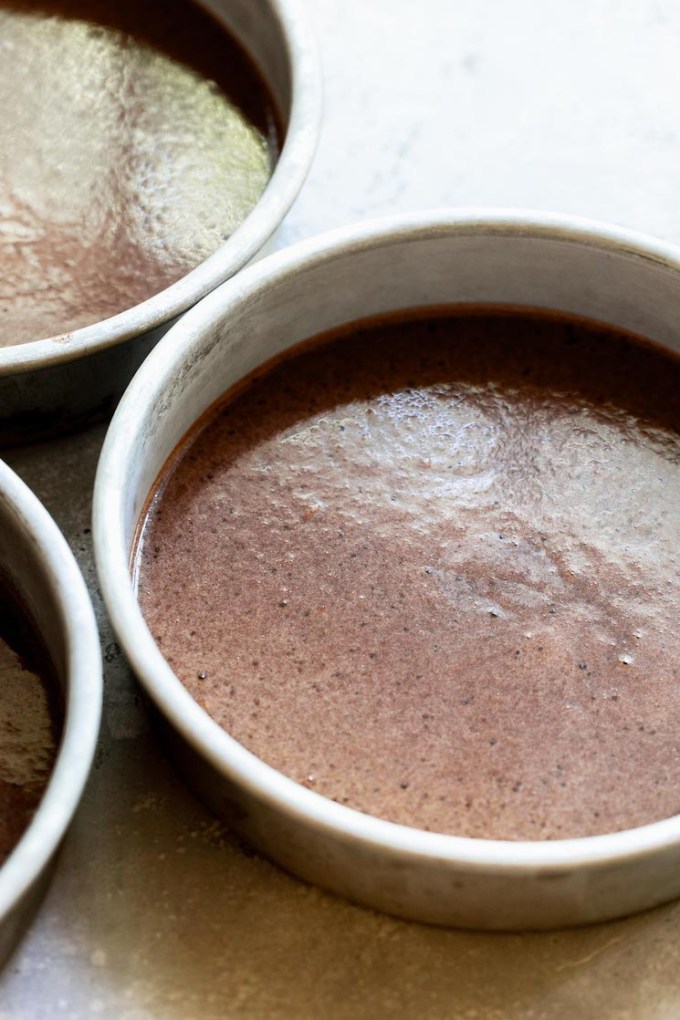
{"type": "Point", "coordinates": [36, 560]}
{"type": "Point", "coordinates": [509, 258]}
{"type": "Point", "coordinates": [55, 384]}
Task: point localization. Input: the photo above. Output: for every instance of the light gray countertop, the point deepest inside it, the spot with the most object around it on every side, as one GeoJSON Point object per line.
{"type": "Point", "coordinates": [155, 910]}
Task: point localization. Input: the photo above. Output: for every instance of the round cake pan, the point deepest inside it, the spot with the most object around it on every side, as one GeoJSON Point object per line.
{"type": "Point", "coordinates": [52, 385]}
{"type": "Point", "coordinates": [502, 258]}
{"type": "Point", "coordinates": [39, 567]}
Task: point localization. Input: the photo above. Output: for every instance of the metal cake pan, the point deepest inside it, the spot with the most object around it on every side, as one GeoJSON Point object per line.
{"type": "Point", "coordinates": [38, 565]}
{"type": "Point", "coordinates": [52, 385]}
{"type": "Point", "coordinates": [503, 258]}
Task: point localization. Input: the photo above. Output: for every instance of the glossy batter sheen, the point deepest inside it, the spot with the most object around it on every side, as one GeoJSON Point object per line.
{"type": "Point", "coordinates": [27, 727]}
{"type": "Point", "coordinates": [432, 571]}
{"type": "Point", "coordinates": [135, 137]}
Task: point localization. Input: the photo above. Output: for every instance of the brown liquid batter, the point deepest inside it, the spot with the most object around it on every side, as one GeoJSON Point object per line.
{"type": "Point", "coordinates": [431, 569]}
{"type": "Point", "coordinates": [135, 138]}
{"type": "Point", "coordinates": [28, 732]}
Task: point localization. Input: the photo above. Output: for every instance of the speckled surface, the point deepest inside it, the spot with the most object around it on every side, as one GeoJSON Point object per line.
{"type": "Point", "coordinates": [28, 729]}
{"type": "Point", "coordinates": [413, 568]}
{"type": "Point", "coordinates": [156, 912]}
{"type": "Point", "coordinates": [101, 191]}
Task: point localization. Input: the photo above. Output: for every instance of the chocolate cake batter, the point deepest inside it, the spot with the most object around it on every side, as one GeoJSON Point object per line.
{"type": "Point", "coordinates": [28, 731]}
{"type": "Point", "coordinates": [431, 570]}
{"type": "Point", "coordinates": [135, 137]}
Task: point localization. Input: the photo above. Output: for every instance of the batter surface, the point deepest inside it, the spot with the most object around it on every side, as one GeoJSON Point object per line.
{"type": "Point", "coordinates": [135, 137]}
{"type": "Point", "coordinates": [28, 731]}
{"type": "Point", "coordinates": [431, 569]}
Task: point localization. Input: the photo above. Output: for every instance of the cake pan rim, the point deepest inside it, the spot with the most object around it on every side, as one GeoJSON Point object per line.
{"type": "Point", "coordinates": [83, 689]}
{"type": "Point", "coordinates": [529, 857]}
{"type": "Point", "coordinates": [289, 174]}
